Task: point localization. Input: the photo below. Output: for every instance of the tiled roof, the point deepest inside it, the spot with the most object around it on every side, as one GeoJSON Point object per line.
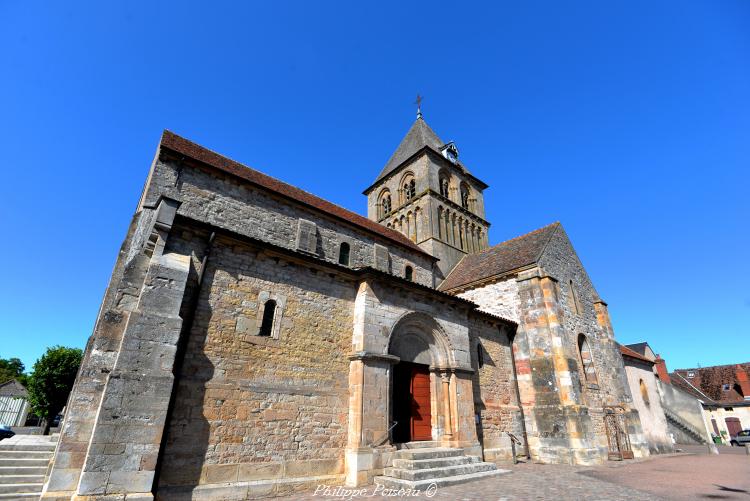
{"type": "Point", "coordinates": [711, 380]}
{"type": "Point", "coordinates": [507, 256]}
{"type": "Point", "coordinates": [681, 383]}
{"type": "Point", "coordinates": [197, 152]}
{"type": "Point", "coordinates": [627, 352]}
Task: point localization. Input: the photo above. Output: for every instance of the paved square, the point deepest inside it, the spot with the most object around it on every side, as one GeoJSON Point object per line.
{"type": "Point", "coordinates": [687, 476]}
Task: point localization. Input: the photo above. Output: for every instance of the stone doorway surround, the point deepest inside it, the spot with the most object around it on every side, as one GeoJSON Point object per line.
{"type": "Point", "coordinates": [415, 337]}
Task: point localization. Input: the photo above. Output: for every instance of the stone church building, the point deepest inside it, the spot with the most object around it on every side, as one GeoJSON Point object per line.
{"type": "Point", "coordinates": [256, 340]}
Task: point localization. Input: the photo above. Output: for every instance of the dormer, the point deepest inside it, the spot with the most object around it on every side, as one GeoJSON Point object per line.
{"type": "Point", "coordinates": [450, 152]}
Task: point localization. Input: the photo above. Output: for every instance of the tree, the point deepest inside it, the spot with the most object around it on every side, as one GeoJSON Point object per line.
{"type": "Point", "coordinates": [51, 381]}
{"type": "Point", "coordinates": [12, 368]}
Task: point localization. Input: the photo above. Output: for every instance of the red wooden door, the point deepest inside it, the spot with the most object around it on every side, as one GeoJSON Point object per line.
{"type": "Point", "coordinates": [421, 427]}
{"type": "Point", "coordinates": [733, 426]}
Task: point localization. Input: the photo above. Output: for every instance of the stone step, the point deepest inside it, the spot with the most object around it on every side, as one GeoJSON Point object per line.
{"type": "Point", "coordinates": [428, 453]}
{"type": "Point", "coordinates": [16, 488]}
{"type": "Point", "coordinates": [27, 447]}
{"type": "Point", "coordinates": [439, 473]}
{"type": "Point", "coordinates": [420, 464]}
{"type": "Point", "coordinates": [22, 479]}
{"type": "Point", "coordinates": [424, 444]}
{"type": "Point", "coordinates": [21, 470]}
{"type": "Point", "coordinates": [23, 462]}
{"type": "Point", "coordinates": [21, 495]}
{"type": "Point", "coordinates": [26, 454]}
{"type": "Point", "coordinates": [422, 485]}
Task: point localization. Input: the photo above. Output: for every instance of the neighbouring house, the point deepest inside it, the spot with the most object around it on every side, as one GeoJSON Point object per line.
{"type": "Point", "coordinates": [724, 391]}
{"type": "Point", "coordinates": [644, 386]}
{"type": "Point", "coordinates": [255, 339]}
{"type": "Point", "coordinates": [14, 403]}
{"type": "Point", "coordinates": [682, 409]}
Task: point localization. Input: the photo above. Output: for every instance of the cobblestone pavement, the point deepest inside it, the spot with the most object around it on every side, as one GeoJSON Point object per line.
{"type": "Point", "coordinates": [693, 475]}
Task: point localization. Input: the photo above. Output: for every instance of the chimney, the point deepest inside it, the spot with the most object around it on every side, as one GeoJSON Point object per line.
{"type": "Point", "coordinates": [661, 369]}
{"type": "Point", "coordinates": [740, 376]}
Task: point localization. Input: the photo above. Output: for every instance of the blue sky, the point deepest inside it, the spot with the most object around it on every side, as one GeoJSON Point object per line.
{"type": "Point", "coordinates": [626, 121]}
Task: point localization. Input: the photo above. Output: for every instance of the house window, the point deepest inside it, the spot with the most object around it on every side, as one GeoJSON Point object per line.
{"type": "Point", "coordinates": [409, 273]}
{"type": "Point", "coordinates": [691, 374]}
{"type": "Point", "coordinates": [480, 355]}
{"type": "Point", "coordinates": [344, 254]}
{"type": "Point", "coordinates": [587, 361]}
{"type": "Point", "coordinates": [725, 387]}
{"type": "Point", "coordinates": [266, 326]}
{"type": "Point", "coordinates": [644, 393]}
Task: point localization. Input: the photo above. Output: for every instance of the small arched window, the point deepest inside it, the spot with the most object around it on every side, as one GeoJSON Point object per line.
{"type": "Point", "coordinates": [409, 273]}
{"type": "Point", "coordinates": [266, 326]}
{"type": "Point", "coordinates": [586, 359]}
{"type": "Point", "coordinates": [445, 186]}
{"type": "Point", "coordinates": [408, 187]}
{"type": "Point", "coordinates": [344, 254]}
{"type": "Point", "coordinates": [644, 392]}
{"type": "Point", "coordinates": [385, 203]}
{"type": "Point", "coordinates": [465, 196]}
{"type": "Point", "coordinates": [480, 355]}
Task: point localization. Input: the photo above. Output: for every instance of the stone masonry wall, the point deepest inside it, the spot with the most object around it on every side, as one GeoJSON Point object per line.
{"type": "Point", "coordinates": [250, 407]}
{"type": "Point", "coordinates": [229, 203]}
{"type": "Point", "coordinates": [495, 398]}
{"type": "Point", "coordinates": [498, 298]}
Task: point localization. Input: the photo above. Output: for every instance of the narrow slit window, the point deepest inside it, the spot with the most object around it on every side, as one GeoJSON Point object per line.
{"type": "Point", "coordinates": [480, 355]}
{"type": "Point", "coordinates": [344, 254]}
{"type": "Point", "coordinates": [409, 273]}
{"type": "Point", "coordinates": [266, 326]}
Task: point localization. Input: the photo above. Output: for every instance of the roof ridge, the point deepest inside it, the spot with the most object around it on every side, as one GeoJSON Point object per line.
{"type": "Point", "coordinates": [538, 230]}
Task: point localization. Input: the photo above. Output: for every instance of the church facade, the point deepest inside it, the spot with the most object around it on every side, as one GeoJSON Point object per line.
{"type": "Point", "coordinates": [256, 340]}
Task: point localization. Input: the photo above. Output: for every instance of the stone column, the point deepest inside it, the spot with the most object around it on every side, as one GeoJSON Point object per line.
{"type": "Point", "coordinates": [446, 398]}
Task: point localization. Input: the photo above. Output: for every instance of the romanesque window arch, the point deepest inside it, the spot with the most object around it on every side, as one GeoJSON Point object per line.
{"type": "Point", "coordinates": [408, 187]}
{"type": "Point", "coordinates": [587, 361]}
{"type": "Point", "coordinates": [465, 195]}
{"type": "Point", "coordinates": [344, 253]}
{"type": "Point", "coordinates": [385, 203]}
{"type": "Point", "coordinates": [644, 392]}
{"type": "Point", "coordinates": [269, 311]}
{"type": "Point", "coordinates": [445, 184]}
{"type": "Point", "coordinates": [409, 273]}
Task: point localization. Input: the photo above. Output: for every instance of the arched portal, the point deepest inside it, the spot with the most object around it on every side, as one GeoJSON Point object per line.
{"type": "Point", "coordinates": [420, 402]}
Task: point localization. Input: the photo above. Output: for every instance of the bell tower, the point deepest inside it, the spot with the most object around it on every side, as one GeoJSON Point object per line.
{"type": "Point", "coordinates": [427, 193]}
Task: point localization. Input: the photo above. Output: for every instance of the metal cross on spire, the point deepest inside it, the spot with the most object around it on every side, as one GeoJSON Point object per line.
{"type": "Point", "coordinates": [418, 102]}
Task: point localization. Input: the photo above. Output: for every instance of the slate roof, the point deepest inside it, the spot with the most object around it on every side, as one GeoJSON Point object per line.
{"type": "Point", "coordinates": [419, 136]}
{"type": "Point", "coordinates": [507, 256]}
{"type": "Point", "coordinates": [12, 388]}
{"type": "Point", "coordinates": [627, 352]}
{"type": "Point", "coordinates": [203, 155]}
{"type": "Point", "coordinates": [638, 347]}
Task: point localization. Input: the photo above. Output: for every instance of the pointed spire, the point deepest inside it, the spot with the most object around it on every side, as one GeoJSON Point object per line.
{"type": "Point", "coordinates": [418, 102]}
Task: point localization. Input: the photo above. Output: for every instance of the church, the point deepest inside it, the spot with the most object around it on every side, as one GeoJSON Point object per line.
{"type": "Point", "coordinates": [255, 340]}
